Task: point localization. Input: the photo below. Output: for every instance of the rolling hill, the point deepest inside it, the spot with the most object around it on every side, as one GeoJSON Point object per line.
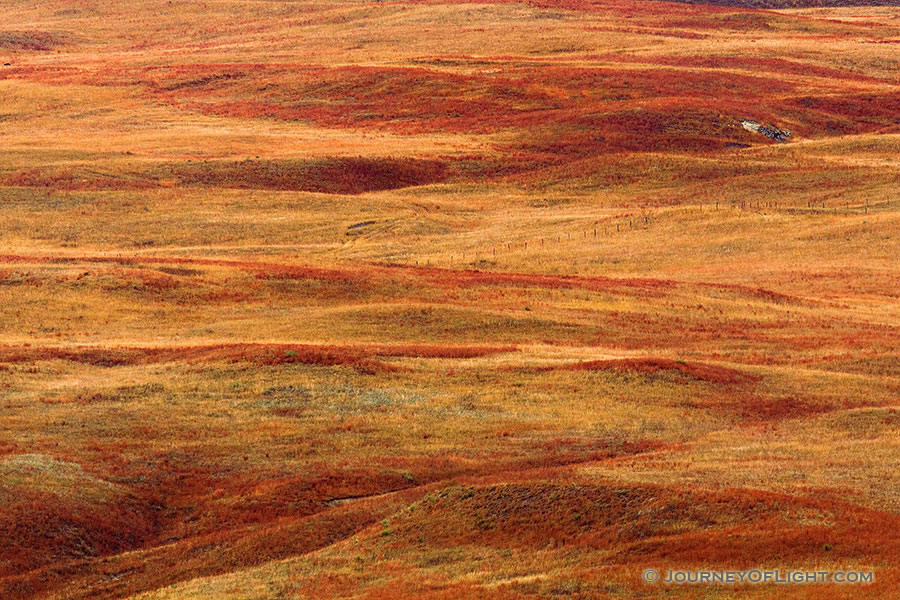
{"type": "Point", "coordinates": [447, 299]}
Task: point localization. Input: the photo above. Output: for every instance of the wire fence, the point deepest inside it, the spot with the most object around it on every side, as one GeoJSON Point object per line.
{"type": "Point", "coordinates": [606, 228]}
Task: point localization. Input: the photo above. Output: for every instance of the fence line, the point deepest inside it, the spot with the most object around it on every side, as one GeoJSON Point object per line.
{"type": "Point", "coordinates": [812, 207]}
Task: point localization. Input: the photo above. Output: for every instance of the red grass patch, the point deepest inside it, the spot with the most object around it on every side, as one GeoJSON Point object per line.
{"type": "Point", "coordinates": [41, 528]}
{"type": "Point", "coordinates": [259, 354]}
{"type": "Point", "coordinates": [735, 527]}
{"type": "Point", "coordinates": [300, 272]}
{"type": "Point", "coordinates": [753, 64]}
{"type": "Point", "coordinates": [697, 371]}
{"type": "Point", "coordinates": [328, 175]}
{"type": "Point", "coordinates": [438, 277]}
{"type": "Point", "coordinates": [847, 113]}
{"type": "Point", "coordinates": [228, 548]}
{"type": "Point", "coordinates": [473, 278]}
{"type": "Point", "coordinates": [416, 100]}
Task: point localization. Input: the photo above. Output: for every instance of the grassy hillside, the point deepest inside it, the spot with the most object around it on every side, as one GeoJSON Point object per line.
{"type": "Point", "coordinates": [446, 299]}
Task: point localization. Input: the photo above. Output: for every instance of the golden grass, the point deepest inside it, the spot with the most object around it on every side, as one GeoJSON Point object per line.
{"type": "Point", "coordinates": [565, 320]}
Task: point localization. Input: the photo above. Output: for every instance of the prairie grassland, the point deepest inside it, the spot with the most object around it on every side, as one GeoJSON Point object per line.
{"type": "Point", "coordinates": [446, 299]}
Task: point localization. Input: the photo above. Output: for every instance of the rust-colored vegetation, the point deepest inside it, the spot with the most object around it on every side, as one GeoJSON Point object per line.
{"type": "Point", "coordinates": [334, 176]}
{"type": "Point", "coordinates": [697, 371]}
{"type": "Point", "coordinates": [446, 299]}
{"type": "Point", "coordinates": [257, 354]}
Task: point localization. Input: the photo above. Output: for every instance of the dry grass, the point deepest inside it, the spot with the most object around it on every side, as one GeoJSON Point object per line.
{"type": "Point", "coordinates": [320, 300]}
